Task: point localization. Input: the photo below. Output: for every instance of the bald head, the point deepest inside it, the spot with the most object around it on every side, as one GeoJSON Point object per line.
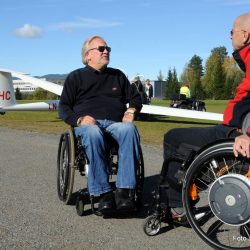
{"type": "Point", "coordinates": [244, 22]}
{"type": "Point", "coordinates": [240, 33]}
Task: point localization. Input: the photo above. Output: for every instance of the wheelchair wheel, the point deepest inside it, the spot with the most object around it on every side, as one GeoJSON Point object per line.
{"type": "Point", "coordinates": [216, 197]}
{"type": "Point", "coordinates": [80, 206]}
{"type": "Point", "coordinates": [152, 225]}
{"type": "Point", "coordinates": [65, 166]}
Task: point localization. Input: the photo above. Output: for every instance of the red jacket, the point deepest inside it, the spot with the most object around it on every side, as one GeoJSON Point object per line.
{"type": "Point", "coordinates": [238, 107]}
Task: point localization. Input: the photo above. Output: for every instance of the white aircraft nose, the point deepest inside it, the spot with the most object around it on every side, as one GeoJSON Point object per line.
{"type": "Point", "coordinates": [7, 94]}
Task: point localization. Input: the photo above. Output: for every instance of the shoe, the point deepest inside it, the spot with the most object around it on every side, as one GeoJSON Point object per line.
{"type": "Point", "coordinates": [124, 199]}
{"type": "Point", "coordinates": [106, 203]}
{"type": "Point", "coordinates": [179, 216]}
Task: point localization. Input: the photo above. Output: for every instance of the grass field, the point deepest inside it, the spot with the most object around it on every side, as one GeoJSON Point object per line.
{"type": "Point", "coordinates": [151, 131]}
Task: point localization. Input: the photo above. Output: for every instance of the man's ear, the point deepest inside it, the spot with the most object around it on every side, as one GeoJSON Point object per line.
{"type": "Point", "coordinates": [246, 37]}
{"type": "Point", "coordinates": [87, 56]}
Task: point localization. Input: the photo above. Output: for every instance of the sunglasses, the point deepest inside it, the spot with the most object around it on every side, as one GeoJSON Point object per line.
{"type": "Point", "coordinates": [102, 48]}
{"type": "Point", "coordinates": [233, 31]}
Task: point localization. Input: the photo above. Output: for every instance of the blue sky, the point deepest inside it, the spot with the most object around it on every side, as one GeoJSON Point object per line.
{"type": "Point", "coordinates": [46, 36]}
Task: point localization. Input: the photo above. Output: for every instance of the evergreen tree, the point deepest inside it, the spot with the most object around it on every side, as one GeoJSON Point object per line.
{"type": "Point", "coordinates": [172, 85]}
{"type": "Point", "coordinates": [219, 81]}
{"type": "Point", "coordinates": [222, 51]}
{"type": "Point", "coordinates": [175, 83]}
{"type": "Point", "coordinates": [168, 94]}
{"type": "Point", "coordinates": [192, 74]}
{"type": "Point", "coordinates": [18, 94]}
{"type": "Point", "coordinates": [196, 68]}
{"type": "Point", "coordinates": [214, 78]}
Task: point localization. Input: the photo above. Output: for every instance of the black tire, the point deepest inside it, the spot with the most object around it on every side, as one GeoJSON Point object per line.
{"type": "Point", "coordinates": [79, 206]}
{"type": "Point", "coordinates": [208, 168]}
{"type": "Point", "coordinates": [152, 225]}
{"type": "Point", "coordinates": [184, 106]}
{"type": "Point", "coordinates": [140, 181]}
{"type": "Point", "coordinates": [65, 166]}
{"type": "Point", "coordinates": [203, 109]}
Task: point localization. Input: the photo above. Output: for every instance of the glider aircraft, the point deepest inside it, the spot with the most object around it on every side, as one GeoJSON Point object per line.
{"type": "Point", "coordinates": [8, 100]}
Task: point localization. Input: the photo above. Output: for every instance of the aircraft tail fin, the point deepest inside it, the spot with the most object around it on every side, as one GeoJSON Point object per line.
{"type": "Point", "coordinates": [7, 94]}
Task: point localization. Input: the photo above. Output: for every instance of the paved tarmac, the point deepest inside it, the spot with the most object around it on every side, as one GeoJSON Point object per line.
{"type": "Point", "coordinates": [32, 216]}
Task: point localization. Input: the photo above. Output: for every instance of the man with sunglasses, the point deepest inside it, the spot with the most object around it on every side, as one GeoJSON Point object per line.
{"type": "Point", "coordinates": [94, 101]}
{"type": "Point", "coordinates": [231, 126]}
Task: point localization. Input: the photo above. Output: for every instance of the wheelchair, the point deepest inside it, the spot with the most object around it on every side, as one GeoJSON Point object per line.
{"type": "Point", "coordinates": [71, 157]}
{"type": "Point", "coordinates": [215, 192]}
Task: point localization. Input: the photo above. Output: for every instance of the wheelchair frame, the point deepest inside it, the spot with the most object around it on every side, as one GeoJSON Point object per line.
{"type": "Point", "coordinates": [71, 156]}
{"type": "Point", "coordinates": [216, 196]}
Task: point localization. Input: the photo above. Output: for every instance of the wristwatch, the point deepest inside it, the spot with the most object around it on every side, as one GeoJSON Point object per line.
{"type": "Point", "coordinates": [78, 123]}
{"type": "Point", "coordinates": [130, 112]}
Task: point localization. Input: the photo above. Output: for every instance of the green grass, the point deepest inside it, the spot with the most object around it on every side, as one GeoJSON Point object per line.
{"type": "Point", "coordinates": [151, 131]}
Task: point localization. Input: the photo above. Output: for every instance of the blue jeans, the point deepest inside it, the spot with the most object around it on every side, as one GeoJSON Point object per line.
{"type": "Point", "coordinates": [95, 146]}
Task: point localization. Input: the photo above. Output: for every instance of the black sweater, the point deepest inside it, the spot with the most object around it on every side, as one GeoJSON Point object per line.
{"type": "Point", "coordinates": [102, 95]}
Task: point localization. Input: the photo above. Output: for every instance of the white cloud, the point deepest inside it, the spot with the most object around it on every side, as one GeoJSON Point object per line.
{"type": "Point", "coordinates": [85, 23]}
{"type": "Point", "coordinates": [28, 31]}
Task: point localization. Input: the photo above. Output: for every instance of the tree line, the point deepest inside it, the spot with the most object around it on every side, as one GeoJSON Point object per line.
{"type": "Point", "coordinates": [38, 94]}
{"type": "Point", "coordinates": [217, 80]}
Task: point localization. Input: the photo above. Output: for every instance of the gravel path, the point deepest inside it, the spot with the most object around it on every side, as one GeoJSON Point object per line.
{"type": "Point", "coordinates": [32, 216]}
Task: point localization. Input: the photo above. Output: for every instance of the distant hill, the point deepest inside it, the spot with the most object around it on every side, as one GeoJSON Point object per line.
{"type": "Point", "coordinates": [54, 76]}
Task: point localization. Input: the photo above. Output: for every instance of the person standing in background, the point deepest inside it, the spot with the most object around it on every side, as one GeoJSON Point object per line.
{"type": "Point", "coordinates": [148, 90]}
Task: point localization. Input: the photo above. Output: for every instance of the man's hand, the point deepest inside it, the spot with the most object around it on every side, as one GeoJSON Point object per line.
{"type": "Point", "coordinates": [87, 120]}
{"type": "Point", "coordinates": [242, 146]}
{"type": "Point", "coordinates": [129, 115]}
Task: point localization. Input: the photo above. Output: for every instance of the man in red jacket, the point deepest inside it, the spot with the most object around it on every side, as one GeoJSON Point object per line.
{"type": "Point", "coordinates": [234, 115]}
